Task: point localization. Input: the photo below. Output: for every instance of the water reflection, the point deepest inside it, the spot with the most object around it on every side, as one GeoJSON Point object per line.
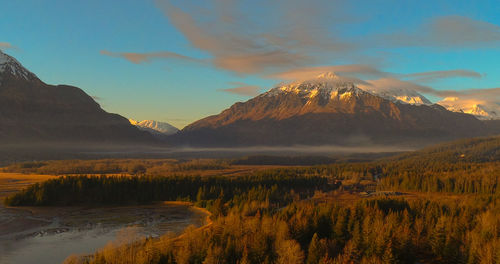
{"type": "Point", "coordinates": [53, 234]}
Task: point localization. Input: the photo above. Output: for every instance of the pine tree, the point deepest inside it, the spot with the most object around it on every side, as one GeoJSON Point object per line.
{"type": "Point", "coordinates": [388, 256]}
{"type": "Point", "coordinates": [438, 239]}
{"type": "Point", "coordinates": [316, 250]}
{"type": "Point", "coordinates": [289, 252]}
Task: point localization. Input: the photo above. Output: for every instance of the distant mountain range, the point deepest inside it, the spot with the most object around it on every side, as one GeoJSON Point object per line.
{"type": "Point", "coordinates": [32, 111]}
{"type": "Point", "coordinates": [155, 127]}
{"type": "Point", "coordinates": [328, 110]}
{"type": "Point", "coordinates": [480, 109]}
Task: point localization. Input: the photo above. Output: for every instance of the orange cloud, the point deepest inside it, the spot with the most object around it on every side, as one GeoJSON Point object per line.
{"type": "Point", "coordinates": [254, 63]}
{"type": "Point", "coordinates": [6, 45]}
{"type": "Point", "coordinates": [240, 43]}
{"type": "Point", "coordinates": [390, 83]}
{"type": "Point", "coordinates": [243, 89]}
{"type": "Point", "coordinates": [138, 58]}
{"type": "Point", "coordinates": [434, 75]}
{"type": "Point", "coordinates": [305, 73]}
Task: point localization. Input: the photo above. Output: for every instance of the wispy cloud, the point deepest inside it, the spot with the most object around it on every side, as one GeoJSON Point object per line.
{"type": "Point", "coordinates": [278, 43]}
{"type": "Point", "coordinates": [138, 58]}
{"type": "Point", "coordinates": [447, 32]}
{"type": "Point", "coordinates": [488, 94]}
{"type": "Point", "coordinates": [242, 89]}
{"type": "Point", "coordinates": [305, 73]}
{"type": "Point", "coordinates": [276, 39]}
{"type": "Point", "coordinates": [391, 83]}
{"type": "Point", "coordinates": [6, 45]}
{"type": "Point", "coordinates": [436, 75]}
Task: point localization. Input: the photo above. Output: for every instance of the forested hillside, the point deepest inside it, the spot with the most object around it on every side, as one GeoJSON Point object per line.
{"type": "Point", "coordinates": [470, 150]}
{"type": "Point", "coordinates": [431, 206]}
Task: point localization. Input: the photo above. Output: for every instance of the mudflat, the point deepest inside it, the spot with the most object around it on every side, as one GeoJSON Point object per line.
{"type": "Point", "coordinates": [50, 234]}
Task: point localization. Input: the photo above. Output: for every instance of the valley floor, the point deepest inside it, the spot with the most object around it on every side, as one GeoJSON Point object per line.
{"type": "Point", "coordinates": [439, 205]}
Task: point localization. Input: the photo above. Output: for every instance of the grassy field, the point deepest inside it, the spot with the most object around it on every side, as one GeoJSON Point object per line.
{"type": "Point", "coordinates": [12, 182]}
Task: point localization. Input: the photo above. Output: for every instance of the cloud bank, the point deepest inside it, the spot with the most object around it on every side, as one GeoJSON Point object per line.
{"type": "Point", "coordinates": [242, 89]}
{"type": "Point", "coordinates": [436, 75]}
{"type": "Point", "coordinates": [138, 58]}
{"type": "Point", "coordinates": [275, 39]}
{"type": "Point", "coordinates": [6, 45]}
{"type": "Point", "coordinates": [305, 73]}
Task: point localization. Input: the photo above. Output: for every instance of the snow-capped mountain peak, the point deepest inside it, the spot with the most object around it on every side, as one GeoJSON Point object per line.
{"type": "Point", "coordinates": [14, 67]}
{"type": "Point", "coordinates": [331, 86]}
{"type": "Point", "coordinates": [327, 85]}
{"type": "Point", "coordinates": [155, 127]}
{"type": "Point", "coordinates": [480, 109]}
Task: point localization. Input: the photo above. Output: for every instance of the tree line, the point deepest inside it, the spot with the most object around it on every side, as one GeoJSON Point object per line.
{"type": "Point", "coordinates": [375, 230]}
{"type": "Point", "coordinates": [105, 190]}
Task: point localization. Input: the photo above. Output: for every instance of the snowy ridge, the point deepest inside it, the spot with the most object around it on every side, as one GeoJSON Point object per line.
{"type": "Point", "coordinates": [398, 95]}
{"type": "Point", "coordinates": [480, 109]}
{"type": "Point", "coordinates": [9, 64]}
{"type": "Point", "coordinates": [155, 126]}
{"type": "Point", "coordinates": [327, 85]}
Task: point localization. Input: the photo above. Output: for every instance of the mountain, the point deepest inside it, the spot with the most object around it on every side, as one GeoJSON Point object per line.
{"type": "Point", "coordinates": [32, 111]}
{"type": "Point", "coordinates": [155, 127]}
{"type": "Point", "coordinates": [328, 110]}
{"type": "Point", "coordinates": [399, 95]}
{"type": "Point", "coordinates": [480, 109]}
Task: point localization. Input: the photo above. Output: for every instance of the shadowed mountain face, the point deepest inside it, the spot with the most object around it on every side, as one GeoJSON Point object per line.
{"type": "Point", "coordinates": [32, 111]}
{"type": "Point", "coordinates": [328, 110]}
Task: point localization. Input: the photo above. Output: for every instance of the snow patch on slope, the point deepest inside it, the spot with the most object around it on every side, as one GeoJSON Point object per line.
{"type": "Point", "coordinates": [398, 94]}
{"type": "Point", "coordinates": [9, 64]}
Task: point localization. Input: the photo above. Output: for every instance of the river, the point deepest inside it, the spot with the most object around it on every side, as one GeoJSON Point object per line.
{"type": "Point", "coordinates": [51, 234]}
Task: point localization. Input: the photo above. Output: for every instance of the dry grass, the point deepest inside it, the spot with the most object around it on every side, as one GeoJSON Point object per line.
{"type": "Point", "coordinates": [13, 182]}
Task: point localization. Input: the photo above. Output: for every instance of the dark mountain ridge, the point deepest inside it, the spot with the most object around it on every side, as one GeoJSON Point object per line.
{"type": "Point", "coordinates": [32, 112]}
{"type": "Point", "coordinates": [328, 110]}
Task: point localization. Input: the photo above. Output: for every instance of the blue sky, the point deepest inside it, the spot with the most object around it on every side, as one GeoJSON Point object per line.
{"type": "Point", "coordinates": [172, 60]}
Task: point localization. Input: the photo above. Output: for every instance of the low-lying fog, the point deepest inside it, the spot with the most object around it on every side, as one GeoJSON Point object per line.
{"type": "Point", "coordinates": [11, 154]}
